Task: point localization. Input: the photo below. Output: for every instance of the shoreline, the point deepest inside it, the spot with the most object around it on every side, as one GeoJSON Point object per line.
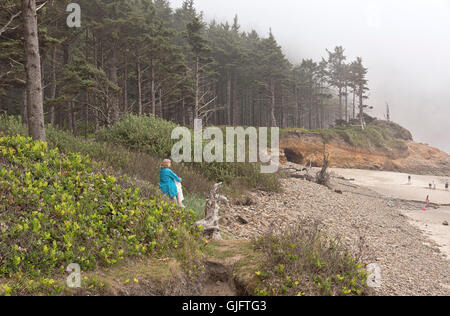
{"type": "Point", "coordinates": [365, 221]}
{"type": "Point", "coordinates": [431, 224]}
{"type": "Point", "coordinates": [392, 185]}
{"type": "Point", "coordinates": [395, 184]}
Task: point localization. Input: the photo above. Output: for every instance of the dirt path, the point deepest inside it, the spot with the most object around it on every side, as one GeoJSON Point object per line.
{"type": "Point", "coordinates": [411, 263]}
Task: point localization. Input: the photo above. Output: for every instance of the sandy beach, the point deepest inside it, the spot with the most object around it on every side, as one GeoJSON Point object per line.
{"type": "Point", "coordinates": [395, 185]}
{"type": "Point", "coordinates": [407, 243]}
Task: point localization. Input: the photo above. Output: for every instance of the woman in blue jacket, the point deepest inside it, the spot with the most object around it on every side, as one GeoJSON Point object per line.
{"type": "Point", "coordinates": [168, 181]}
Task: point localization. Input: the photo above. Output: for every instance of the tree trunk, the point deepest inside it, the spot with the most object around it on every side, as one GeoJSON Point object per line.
{"type": "Point", "coordinates": [68, 110]}
{"type": "Point", "coordinates": [139, 87]}
{"type": "Point", "coordinates": [310, 123]}
{"type": "Point", "coordinates": [70, 118]}
{"type": "Point", "coordinates": [346, 104]}
{"type": "Point", "coordinates": [24, 111]}
{"type": "Point", "coordinates": [354, 104]}
{"type": "Point", "coordinates": [86, 105]}
{"type": "Point", "coordinates": [35, 110]}
{"type": "Point", "coordinates": [114, 79]}
{"type": "Point", "coordinates": [53, 87]}
{"type": "Point", "coordinates": [236, 104]}
{"type": "Point", "coordinates": [86, 117]}
{"type": "Point", "coordinates": [160, 106]}
{"type": "Point", "coordinates": [96, 66]}
{"type": "Point", "coordinates": [125, 86]}
{"type": "Point", "coordinates": [183, 107]}
{"type": "Point", "coordinates": [283, 111]}
{"type": "Point", "coordinates": [228, 98]}
{"type": "Point", "coordinates": [361, 109]}
{"type": "Point", "coordinates": [197, 88]}
{"type": "Point", "coordinates": [272, 104]}
{"type": "Point", "coordinates": [4, 103]}
{"type": "Point", "coordinates": [153, 91]}
{"type": "Point", "coordinates": [297, 108]}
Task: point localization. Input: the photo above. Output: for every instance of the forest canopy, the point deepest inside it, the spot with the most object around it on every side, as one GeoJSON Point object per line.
{"type": "Point", "coordinates": [143, 57]}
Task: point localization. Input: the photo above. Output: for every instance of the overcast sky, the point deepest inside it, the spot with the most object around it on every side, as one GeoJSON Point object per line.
{"type": "Point", "coordinates": [404, 43]}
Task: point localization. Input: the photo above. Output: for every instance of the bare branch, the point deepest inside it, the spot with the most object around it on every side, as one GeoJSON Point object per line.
{"type": "Point", "coordinates": [207, 104]}
{"type": "Point", "coordinates": [41, 6]}
{"type": "Point", "coordinates": [11, 19]}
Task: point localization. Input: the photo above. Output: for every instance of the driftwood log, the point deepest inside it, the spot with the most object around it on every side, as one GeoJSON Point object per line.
{"type": "Point", "coordinates": [323, 177]}
{"type": "Point", "coordinates": [294, 173]}
{"type": "Point", "coordinates": [210, 223]}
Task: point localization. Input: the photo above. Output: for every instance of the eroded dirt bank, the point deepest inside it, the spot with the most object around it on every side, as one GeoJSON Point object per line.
{"type": "Point", "coordinates": [416, 158]}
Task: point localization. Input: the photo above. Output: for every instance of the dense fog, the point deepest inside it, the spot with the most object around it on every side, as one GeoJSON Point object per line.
{"type": "Point", "coordinates": [404, 43]}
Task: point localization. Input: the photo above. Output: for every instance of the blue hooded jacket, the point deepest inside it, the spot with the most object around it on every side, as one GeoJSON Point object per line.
{"type": "Point", "coordinates": [167, 180]}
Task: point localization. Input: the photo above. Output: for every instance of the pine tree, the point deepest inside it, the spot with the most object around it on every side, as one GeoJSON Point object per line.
{"type": "Point", "coordinates": [359, 73]}
{"type": "Point", "coordinates": [336, 63]}
{"type": "Point", "coordinates": [273, 71]}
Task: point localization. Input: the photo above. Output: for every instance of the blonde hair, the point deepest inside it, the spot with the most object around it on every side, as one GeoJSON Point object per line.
{"type": "Point", "coordinates": [166, 163]}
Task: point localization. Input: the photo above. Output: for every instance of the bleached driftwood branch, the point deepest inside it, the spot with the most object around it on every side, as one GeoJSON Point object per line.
{"type": "Point", "coordinates": [211, 222]}
{"type": "Point", "coordinates": [323, 177]}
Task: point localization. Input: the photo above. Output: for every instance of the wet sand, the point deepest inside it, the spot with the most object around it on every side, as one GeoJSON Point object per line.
{"type": "Point", "coordinates": [430, 222]}
{"type": "Point", "coordinates": [395, 185]}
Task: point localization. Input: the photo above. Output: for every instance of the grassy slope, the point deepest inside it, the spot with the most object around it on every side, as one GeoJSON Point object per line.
{"type": "Point", "coordinates": [56, 209]}
{"type": "Point", "coordinates": [119, 160]}
{"type": "Point", "coordinates": [136, 145]}
{"type": "Point", "coordinates": [124, 267]}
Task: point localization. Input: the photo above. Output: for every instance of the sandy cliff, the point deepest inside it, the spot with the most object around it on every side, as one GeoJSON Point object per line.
{"type": "Point", "coordinates": [416, 158]}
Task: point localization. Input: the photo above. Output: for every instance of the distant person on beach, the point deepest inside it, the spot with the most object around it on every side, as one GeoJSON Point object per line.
{"type": "Point", "coordinates": [170, 183]}
{"type": "Point", "coordinates": [446, 186]}
{"type": "Point", "coordinates": [409, 179]}
{"type": "Point", "coordinates": [430, 185]}
{"type": "Point", "coordinates": [427, 201]}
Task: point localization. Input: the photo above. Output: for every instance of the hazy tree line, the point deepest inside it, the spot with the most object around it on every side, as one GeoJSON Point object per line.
{"type": "Point", "coordinates": [142, 57]}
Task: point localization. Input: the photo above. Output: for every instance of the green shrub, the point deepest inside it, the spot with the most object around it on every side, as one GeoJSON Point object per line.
{"type": "Point", "coordinates": [397, 144]}
{"type": "Point", "coordinates": [147, 134]}
{"type": "Point", "coordinates": [152, 136]}
{"type": "Point", "coordinates": [12, 125]}
{"type": "Point", "coordinates": [396, 130]}
{"type": "Point", "coordinates": [301, 261]}
{"type": "Point", "coordinates": [56, 210]}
